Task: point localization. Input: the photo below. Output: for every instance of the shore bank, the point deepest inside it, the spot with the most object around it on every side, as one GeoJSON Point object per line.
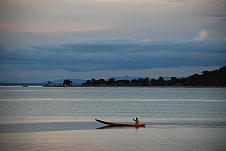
{"type": "Point", "coordinates": [153, 86]}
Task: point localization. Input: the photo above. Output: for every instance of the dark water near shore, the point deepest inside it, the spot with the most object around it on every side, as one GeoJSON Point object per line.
{"type": "Point", "coordinates": [37, 118]}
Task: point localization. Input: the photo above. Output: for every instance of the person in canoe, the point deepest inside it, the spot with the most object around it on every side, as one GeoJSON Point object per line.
{"type": "Point", "coordinates": [136, 121]}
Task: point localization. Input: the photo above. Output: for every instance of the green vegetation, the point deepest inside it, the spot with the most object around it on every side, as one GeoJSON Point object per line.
{"type": "Point", "coordinates": [207, 78]}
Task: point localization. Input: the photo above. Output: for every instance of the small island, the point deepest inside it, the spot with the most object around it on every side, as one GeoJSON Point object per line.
{"type": "Point", "coordinates": [66, 83]}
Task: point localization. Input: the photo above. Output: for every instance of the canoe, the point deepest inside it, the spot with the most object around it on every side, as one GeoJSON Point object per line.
{"type": "Point", "coordinates": [119, 124]}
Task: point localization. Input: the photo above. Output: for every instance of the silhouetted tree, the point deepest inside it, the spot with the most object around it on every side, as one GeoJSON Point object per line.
{"type": "Point", "coordinates": [100, 82]}
{"type": "Point", "coordinates": [111, 81]}
{"type": "Point", "coordinates": [88, 82]}
{"type": "Point", "coordinates": [161, 81]}
{"type": "Point", "coordinates": [67, 82]}
{"type": "Point", "coordinates": [153, 82]}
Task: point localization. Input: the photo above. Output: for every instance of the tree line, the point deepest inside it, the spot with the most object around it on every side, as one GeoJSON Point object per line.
{"type": "Point", "coordinates": [206, 78]}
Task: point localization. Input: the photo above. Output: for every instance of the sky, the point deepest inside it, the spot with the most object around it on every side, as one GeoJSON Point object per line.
{"type": "Point", "coordinates": [44, 40]}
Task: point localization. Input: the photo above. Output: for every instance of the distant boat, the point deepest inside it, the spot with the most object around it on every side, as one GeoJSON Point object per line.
{"type": "Point", "coordinates": [109, 124]}
{"type": "Point", "coordinates": [25, 85]}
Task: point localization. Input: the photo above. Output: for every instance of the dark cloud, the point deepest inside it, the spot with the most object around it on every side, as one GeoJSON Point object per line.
{"type": "Point", "coordinates": [216, 15]}
{"type": "Point", "coordinates": [219, 17]}
{"type": "Point", "coordinates": [113, 54]}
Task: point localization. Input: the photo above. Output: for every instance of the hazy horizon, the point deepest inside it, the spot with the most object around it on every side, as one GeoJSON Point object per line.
{"type": "Point", "coordinates": [81, 80]}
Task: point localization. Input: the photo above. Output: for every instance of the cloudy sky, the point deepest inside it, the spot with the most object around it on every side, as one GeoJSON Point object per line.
{"type": "Point", "coordinates": [58, 39]}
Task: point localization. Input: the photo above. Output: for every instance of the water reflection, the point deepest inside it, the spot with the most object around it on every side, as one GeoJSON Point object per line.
{"type": "Point", "coordinates": [145, 139]}
{"type": "Point", "coordinates": [121, 127]}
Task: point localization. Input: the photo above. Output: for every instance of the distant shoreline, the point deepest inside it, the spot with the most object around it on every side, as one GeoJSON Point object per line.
{"type": "Point", "coordinates": [151, 86]}
{"type": "Point", "coordinates": [81, 86]}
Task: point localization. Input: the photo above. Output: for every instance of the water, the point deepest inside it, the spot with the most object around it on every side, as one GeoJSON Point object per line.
{"type": "Point", "coordinates": [38, 118]}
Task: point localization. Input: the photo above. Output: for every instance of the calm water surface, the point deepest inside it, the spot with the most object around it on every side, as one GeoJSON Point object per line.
{"type": "Point", "coordinates": [37, 118]}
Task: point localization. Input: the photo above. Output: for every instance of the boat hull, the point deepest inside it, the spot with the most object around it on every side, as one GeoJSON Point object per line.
{"type": "Point", "coordinates": [119, 124]}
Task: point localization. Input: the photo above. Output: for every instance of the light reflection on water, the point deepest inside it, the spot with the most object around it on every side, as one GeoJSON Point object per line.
{"type": "Point", "coordinates": [160, 139]}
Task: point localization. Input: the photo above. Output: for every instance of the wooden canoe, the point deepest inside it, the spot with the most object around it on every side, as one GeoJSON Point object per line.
{"type": "Point", "coordinates": [119, 124]}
